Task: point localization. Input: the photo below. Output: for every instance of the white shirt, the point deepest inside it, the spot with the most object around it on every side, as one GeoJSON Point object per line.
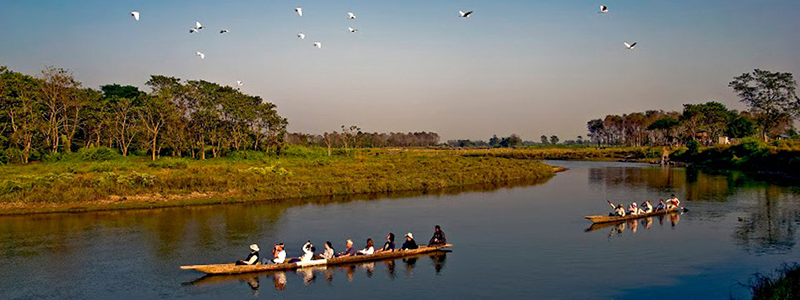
{"type": "Point", "coordinates": [281, 257]}
{"type": "Point", "coordinates": [307, 254]}
{"type": "Point", "coordinates": [368, 250]}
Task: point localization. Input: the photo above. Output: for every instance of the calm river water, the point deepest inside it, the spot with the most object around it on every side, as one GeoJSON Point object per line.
{"type": "Point", "coordinates": [523, 241]}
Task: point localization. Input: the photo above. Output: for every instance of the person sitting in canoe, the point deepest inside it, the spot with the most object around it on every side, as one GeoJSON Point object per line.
{"type": "Point", "coordinates": [349, 251]}
{"type": "Point", "coordinates": [369, 249]}
{"type": "Point", "coordinates": [329, 252]}
{"type": "Point", "coordinates": [252, 258]}
{"type": "Point", "coordinates": [389, 245]}
{"type": "Point", "coordinates": [438, 237]}
{"type": "Point", "coordinates": [673, 202]}
{"type": "Point", "coordinates": [632, 209]}
{"type": "Point", "coordinates": [661, 205]}
{"type": "Point", "coordinates": [619, 210]}
{"type": "Point", "coordinates": [409, 244]}
{"type": "Point", "coordinates": [278, 254]}
{"type": "Point", "coordinates": [646, 207]}
{"type": "Point", "coordinates": [308, 253]}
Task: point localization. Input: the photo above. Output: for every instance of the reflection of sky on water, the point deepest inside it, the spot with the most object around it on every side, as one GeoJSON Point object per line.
{"type": "Point", "coordinates": [525, 241]}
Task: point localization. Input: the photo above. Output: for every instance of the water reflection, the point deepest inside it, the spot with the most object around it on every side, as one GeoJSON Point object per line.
{"type": "Point", "coordinates": [771, 217]}
{"type": "Point", "coordinates": [308, 276]}
{"type": "Point", "coordinates": [633, 226]}
{"type": "Point", "coordinates": [205, 228]}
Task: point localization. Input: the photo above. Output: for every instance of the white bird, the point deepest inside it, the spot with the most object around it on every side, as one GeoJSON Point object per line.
{"type": "Point", "coordinates": [198, 26]}
{"type": "Point", "coordinates": [352, 30]}
{"type": "Point", "coordinates": [301, 36]}
{"type": "Point", "coordinates": [465, 14]}
{"type": "Point", "coordinates": [239, 83]}
{"type": "Point", "coordinates": [318, 45]}
{"type": "Point", "coordinates": [630, 46]}
{"type": "Point", "coordinates": [198, 53]}
{"type": "Point", "coordinates": [223, 31]}
{"type": "Point", "coordinates": [351, 16]}
{"type": "Point", "coordinates": [603, 9]}
{"type": "Point", "coordinates": [299, 11]}
{"type": "Point", "coordinates": [135, 15]}
{"type": "Point", "coordinates": [192, 30]}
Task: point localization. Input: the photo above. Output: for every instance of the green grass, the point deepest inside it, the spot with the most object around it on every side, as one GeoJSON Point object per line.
{"type": "Point", "coordinates": [786, 285]}
{"type": "Point", "coordinates": [79, 183]}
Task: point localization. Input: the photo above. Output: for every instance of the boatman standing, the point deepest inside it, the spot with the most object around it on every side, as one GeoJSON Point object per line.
{"type": "Point", "coordinates": [438, 237]}
{"type": "Point", "coordinates": [252, 258]}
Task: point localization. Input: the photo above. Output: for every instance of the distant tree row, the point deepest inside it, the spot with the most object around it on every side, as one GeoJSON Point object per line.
{"type": "Point", "coordinates": [771, 97]}
{"type": "Point", "coordinates": [52, 113]}
{"type": "Point", "coordinates": [353, 137]}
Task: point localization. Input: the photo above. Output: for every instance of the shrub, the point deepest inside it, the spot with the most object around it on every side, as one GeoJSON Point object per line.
{"type": "Point", "coordinates": [267, 170]}
{"type": "Point", "coordinates": [249, 155]}
{"type": "Point", "coordinates": [168, 163]}
{"type": "Point", "coordinates": [97, 154]}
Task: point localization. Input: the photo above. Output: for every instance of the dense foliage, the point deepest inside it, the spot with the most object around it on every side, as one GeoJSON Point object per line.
{"type": "Point", "coordinates": [47, 116]}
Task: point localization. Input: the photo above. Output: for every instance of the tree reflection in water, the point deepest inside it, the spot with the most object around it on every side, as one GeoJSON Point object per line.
{"type": "Point", "coordinates": [309, 275]}
{"type": "Point", "coordinates": [617, 229]}
{"type": "Point", "coordinates": [771, 204]}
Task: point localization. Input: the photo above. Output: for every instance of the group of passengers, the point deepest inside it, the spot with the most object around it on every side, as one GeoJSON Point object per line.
{"type": "Point", "coordinates": [645, 208]}
{"type": "Point", "coordinates": [279, 252]}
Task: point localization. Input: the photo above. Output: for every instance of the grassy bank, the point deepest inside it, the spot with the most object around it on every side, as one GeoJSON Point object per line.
{"type": "Point", "coordinates": [750, 155]}
{"type": "Point", "coordinates": [786, 285]}
{"type": "Point", "coordinates": [86, 181]}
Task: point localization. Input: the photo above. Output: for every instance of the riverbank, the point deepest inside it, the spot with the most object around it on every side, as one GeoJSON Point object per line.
{"type": "Point", "coordinates": [630, 154]}
{"type": "Point", "coordinates": [751, 155]}
{"type": "Point", "coordinates": [786, 285]}
{"type": "Point", "coordinates": [137, 183]}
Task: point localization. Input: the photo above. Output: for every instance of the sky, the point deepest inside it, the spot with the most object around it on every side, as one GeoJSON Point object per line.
{"type": "Point", "coordinates": [523, 67]}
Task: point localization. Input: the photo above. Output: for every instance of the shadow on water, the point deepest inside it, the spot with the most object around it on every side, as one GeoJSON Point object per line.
{"type": "Point", "coordinates": [311, 275]}
{"type": "Point", "coordinates": [768, 212]}
{"type": "Point", "coordinates": [206, 227]}
{"type": "Point", "coordinates": [618, 228]}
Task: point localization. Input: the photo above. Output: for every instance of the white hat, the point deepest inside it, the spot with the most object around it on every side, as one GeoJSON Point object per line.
{"type": "Point", "coordinates": [254, 247]}
{"type": "Point", "coordinates": [410, 235]}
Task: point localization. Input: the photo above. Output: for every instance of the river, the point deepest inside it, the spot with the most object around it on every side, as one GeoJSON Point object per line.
{"type": "Point", "coordinates": [520, 241]}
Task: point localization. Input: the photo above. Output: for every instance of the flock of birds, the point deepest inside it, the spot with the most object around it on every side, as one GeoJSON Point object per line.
{"type": "Point", "coordinates": [350, 15]}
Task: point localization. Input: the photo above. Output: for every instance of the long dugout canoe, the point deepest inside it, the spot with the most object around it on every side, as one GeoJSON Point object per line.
{"type": "Point", "coordinates": [607, 219]}
{"type": "Point", "coordinates": [234, 269]}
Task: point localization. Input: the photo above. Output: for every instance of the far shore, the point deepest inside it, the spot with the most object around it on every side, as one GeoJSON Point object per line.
{"type": "Point", "coordinates": [137, 183]}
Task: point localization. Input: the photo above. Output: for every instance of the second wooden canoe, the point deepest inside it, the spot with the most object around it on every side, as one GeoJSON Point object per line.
{"type": "Point", "coordinates": [607, 219]}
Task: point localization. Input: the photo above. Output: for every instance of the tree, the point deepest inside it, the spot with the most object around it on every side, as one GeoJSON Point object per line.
{"type": "Point", "coordinates": [595, 128]}
{"type": "Point", "coordinates": [494, 141]}
{"type": "Point", "coordinates": [770, 95]}
{"type": "Point", "coordinates": [740, 127]}
{"type": "Point", "coordinates": [664, 126]}
{"type": "Point", "coordinates": [544, 140]}
{"type": "Point", "coordinates": [21, 109]}
{"type": "Point", "coordinates": [554, 139]}
{"type": "Point", "coordinates": [58, 92]}
{"type": "Point", "coordinates": [152, 116]}
{"type": "Point", "coordinates": [514, 140]}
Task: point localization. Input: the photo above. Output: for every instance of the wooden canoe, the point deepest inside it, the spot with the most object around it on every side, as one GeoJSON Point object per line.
{"type": "Point", "coordinates": [607, 219]}
{"type": "Point", "coordinates": [234, 269]}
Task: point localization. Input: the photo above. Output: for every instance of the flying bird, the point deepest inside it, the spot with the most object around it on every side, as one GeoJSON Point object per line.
{"type": "Point", "coordinates": [299, 11]}
{"type": "Point", "coordinates": [603, 9]}
{"type": "Point", "coordinates": [318, 45]}
{"type": "Point", "coordinates": [192, 30]}
{"type": "Point", "coordinates": [352, 30]}
{"type": "Point", "coordinates": [465, 14]}
{"type": "Point", "coordinates": [301, 36]}
{"type": "Point", "coordinates": [630, 46]}
{"type": "Point", "coordinates": [239, 83]}
{"type": "Point", "coordinates": [198, 26]}
{"type": "Point", "coordinates": [135, 15]}
{"type": "Point", "coordinates": [223, 31]}
{"type": "Point", "coordinates": [198, 53]}
{"type": "Point", "coordinates": [351, 16]}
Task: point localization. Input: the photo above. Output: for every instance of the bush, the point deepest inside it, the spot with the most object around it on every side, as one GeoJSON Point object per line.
{"type": "Point", "coordinates": [692, 148]}
{"type": "Point", "coordinates": [267, 170]}
{"type": "Point", "coordinates": [249, 155]}
{"type": "Point", "coordinates": [97, 154]}
{"type": "Point", "coordinates": [168, 163]}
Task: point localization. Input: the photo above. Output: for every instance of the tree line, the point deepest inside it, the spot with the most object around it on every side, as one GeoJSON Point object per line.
{"type": "Point", "coordinates": [52, 113]}
{"type": "Point", "coordinates": [354, 137]}
{"type": "Point", "coordinates": [770, 96]}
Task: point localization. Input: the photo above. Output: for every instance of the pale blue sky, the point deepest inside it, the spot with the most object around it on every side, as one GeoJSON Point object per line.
{"type": "Point", "coordinates": [525, 67]}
